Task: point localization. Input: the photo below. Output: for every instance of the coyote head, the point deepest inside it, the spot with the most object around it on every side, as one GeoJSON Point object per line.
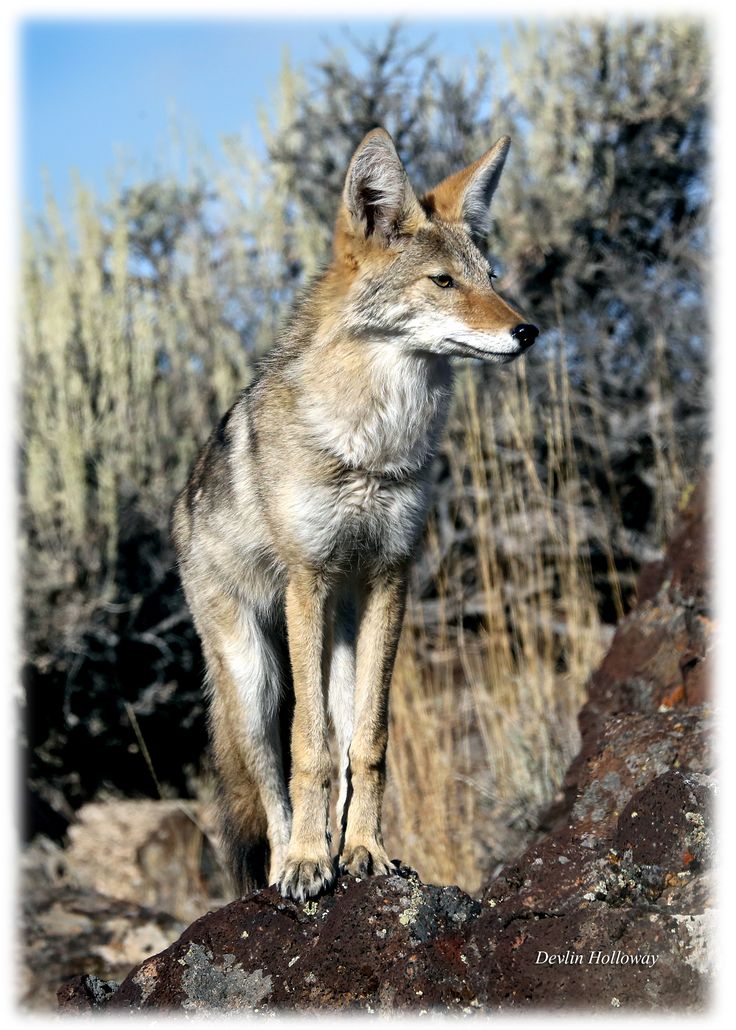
{"type": "Point", "coordinates": [408, 269]}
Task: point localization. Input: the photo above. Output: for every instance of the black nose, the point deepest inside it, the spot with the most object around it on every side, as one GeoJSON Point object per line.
{"type": "Point", "coordinates": [525, 334]}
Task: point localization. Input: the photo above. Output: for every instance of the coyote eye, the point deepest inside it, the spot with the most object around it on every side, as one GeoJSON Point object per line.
{"type": "Point", "coordinates": [442, 280]}
{"type": "Point", "coordinates": [491, 274]}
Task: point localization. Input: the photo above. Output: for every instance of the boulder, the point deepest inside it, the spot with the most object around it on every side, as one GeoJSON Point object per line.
{"type": "Point", "coordinates": [134, 875]}
{"type": "Point", "coordinates": [69, 927]}
{"type": "Point", "coordinates": [160, 854]}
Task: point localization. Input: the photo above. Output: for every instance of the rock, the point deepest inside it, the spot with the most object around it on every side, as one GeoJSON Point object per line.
{"type": "Point", "coordinates": [610, 908]}
{"type": "Point", "coordinates": [377, 943]}
{"type": "Point", "coordinates": [67, 929]}
{"type": "Point", "coordinates": [86, 992]}
{"type": "Point", "coordinates": [133, 876]}
{"type": "Point", "coordinates": [660, 657]}
{"type": "Point", "coordinates": [666, 823]}
{"type": "Point", "coordinates": [159, 854]}
{"type": "Point", "coordinates": [594, 958]}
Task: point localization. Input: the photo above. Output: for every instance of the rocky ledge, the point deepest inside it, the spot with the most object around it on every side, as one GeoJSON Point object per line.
{"type": "Point", "coordinates": [611, 907]}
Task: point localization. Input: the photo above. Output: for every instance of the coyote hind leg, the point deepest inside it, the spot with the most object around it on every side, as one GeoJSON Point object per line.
{"type": "Point", "coordinates": [247, 678]}
{"type": "Point", "coordinates": [243, 819]}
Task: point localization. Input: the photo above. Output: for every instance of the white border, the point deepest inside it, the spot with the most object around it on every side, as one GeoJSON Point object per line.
{"type": "Point", "coordinates": [724, 284]}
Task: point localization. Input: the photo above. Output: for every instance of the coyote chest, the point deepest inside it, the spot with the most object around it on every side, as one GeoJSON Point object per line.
{"type": "Point", "coordinates": [381, 417]}
{"type": "Point", "coordinates": [360, 512]}
{"type": "Point", "coordinates": [381, 433]}
{"type": "Point", "coordinates": [370, 493]}
{"type": "Point", "coordinates": [362, 491]}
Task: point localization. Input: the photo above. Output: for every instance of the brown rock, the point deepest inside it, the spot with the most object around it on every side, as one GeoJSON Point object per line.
{"type": "Point", "coordinates": [659, 659]}
{"type": "Point", "coordinates": [668, 823]}
{"type": "Point", "coordinates": [68, 930]}
{"type": "Point", "coordinates": [374, 944]}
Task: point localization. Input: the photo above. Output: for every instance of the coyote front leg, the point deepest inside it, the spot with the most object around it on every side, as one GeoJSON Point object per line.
{"type": "Point", "coordinates": [378, 637]}
{"type": "Point", "coordinates": [308, 867]}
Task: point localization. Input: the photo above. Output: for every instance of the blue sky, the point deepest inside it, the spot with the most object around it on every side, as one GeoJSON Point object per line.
{"type": "Point", "coordinates": [95, 92]}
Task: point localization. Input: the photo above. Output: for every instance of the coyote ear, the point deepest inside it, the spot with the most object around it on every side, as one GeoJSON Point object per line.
{"type": "Point", "coordinates": [466, 195]}
{"type": "Point", "coordinates": [377, 197]}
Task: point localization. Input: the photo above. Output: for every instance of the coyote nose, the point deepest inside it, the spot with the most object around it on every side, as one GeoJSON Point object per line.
{"type": "Point", "coordinates": [525, 334]}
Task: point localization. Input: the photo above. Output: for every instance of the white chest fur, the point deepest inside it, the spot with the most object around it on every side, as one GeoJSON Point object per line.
{"type": "Point", "coordinates": [382, 411]}
{"type": "Point", "coordinates": [363, 511]}
{"type": "Point", "coordinates": [362, 491]}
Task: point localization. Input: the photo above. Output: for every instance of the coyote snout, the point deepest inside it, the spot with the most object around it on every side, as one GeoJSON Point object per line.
{"type": "Point", "coordinates": [296, 528]}
{"type": "Point", "coordinates": [499, 347]}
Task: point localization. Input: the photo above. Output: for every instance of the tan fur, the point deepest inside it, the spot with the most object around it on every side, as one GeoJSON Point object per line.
{"type": "Point", "coordinates": [449, 199]}
{"type": "Point", "coordinates": [297, 525]}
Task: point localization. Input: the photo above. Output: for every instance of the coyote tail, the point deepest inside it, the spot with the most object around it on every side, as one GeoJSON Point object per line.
{"type": "Point", "coordinates": [243, 829]}
{"type": "Point", "coordinates": [242, 816]}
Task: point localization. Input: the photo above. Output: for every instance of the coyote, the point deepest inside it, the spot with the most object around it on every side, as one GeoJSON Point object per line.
{"type": "Point", "coordinates": [296, 528]}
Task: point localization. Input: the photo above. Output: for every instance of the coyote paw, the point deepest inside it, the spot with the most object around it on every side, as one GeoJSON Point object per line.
{"type": "Point", "coordinates": [306, 878]}
{"type": "Point", "coordinates": [365, 861]}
